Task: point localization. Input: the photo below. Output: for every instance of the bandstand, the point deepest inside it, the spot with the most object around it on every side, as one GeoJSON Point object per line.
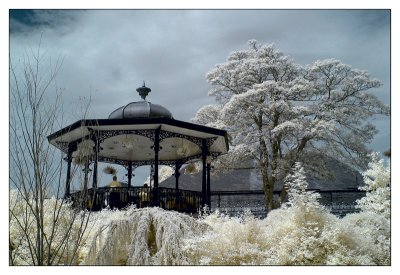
{"type": "Point", "coordinates": [137, 134]}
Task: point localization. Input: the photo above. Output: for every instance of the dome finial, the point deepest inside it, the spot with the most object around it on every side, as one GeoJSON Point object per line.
{"type": "Point", "coordinates": [143, 91]}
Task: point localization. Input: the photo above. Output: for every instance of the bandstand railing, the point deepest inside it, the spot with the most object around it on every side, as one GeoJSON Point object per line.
{"type": "Point", "coordinates": [120, 197]}
{"type": "Point", "coordinates": [339, 202]}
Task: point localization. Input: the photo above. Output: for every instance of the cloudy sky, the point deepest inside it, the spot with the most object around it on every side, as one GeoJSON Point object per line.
{"type": "Point", "coordinates": [108, 53]}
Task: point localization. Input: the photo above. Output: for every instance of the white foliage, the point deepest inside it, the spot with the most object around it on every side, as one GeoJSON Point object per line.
{"type": "Point", "coordinates": [292, 236]}
{"type": "Point", "coordinates": [59, 217]}
{"type": "Point", "coordinates": [377, 185]}
{"type": "Point", "coordinates": [288, 236]}
{"type": "Point", "coordinates": [362, 239]}
{"type": "Point", "coordinates": [149, 236]}
{"type": "Point", "coordinates": [302, 232]}
{"type": "Point", "coordinates": [209, 115]}
{"type": "Point", "coordinates": [297, 194]}
{"type": "Point", "coordinates": [231, 241]}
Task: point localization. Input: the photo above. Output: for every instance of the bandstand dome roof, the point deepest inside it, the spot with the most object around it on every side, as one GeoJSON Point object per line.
{"type": "Point", "coordinates": [141, 109]}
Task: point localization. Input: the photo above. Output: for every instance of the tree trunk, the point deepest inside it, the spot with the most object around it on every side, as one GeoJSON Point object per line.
{"type": "Point", "coordinates": [268, 183]}
{"type": "Point", "coordinates": [268, 187]}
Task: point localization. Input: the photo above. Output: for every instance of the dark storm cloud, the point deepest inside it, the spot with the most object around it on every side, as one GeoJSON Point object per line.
{"type": "Point", "coordinates": [20, 19]}
{"type": "Point", "coordinates": [26, 21]}
{"type": "Point", "coordinates": [108, 53]}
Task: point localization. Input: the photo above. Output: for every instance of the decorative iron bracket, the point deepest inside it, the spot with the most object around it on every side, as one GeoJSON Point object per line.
{"type": "Point", "coordinates": [63, 146]}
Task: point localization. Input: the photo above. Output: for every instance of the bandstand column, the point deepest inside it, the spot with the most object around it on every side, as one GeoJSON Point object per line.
{"type": "Point", "coordinates": [204, 150]}
{"type": "Point", "coordinates": [96, 161]}
{"type": "Point", "coordinates": [156, 150]}
{"type": "Point", "coordinates": [84, 194]}
{"type": "Point", "coordinates": [208, 184]}
{"type": "Point", "coordinates": [71, 149]}
{"type": "Point", "coordinates": [178, 165]}
{"type": "Point", "coordinates": [86, 179]}
{"type": "Point", "coordinates": [130, 174]}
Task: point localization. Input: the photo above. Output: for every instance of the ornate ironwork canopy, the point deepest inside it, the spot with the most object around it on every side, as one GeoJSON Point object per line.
{"type": "Point", "coordinates": [122, 141]}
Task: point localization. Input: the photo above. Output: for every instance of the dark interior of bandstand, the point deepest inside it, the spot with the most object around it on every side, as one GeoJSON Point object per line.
{"type": "Point", "coordinates": [134, 135]}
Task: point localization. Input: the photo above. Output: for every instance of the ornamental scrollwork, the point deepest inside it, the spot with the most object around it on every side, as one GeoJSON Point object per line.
{"type": "Point", "coordinates": [103, 135]}
{"type": "Point", "coordinates": [195, 140]}
{"type": "Point", "coordinates": [167, 134]}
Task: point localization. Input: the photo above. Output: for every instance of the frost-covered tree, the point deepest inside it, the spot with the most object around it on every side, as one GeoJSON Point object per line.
{"type": "Point", "coordinates": [297, 184]}
{"type": "Point", "coordinates": [377, 186]}
{"type": "Point", "coordinates": [278, 112]}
